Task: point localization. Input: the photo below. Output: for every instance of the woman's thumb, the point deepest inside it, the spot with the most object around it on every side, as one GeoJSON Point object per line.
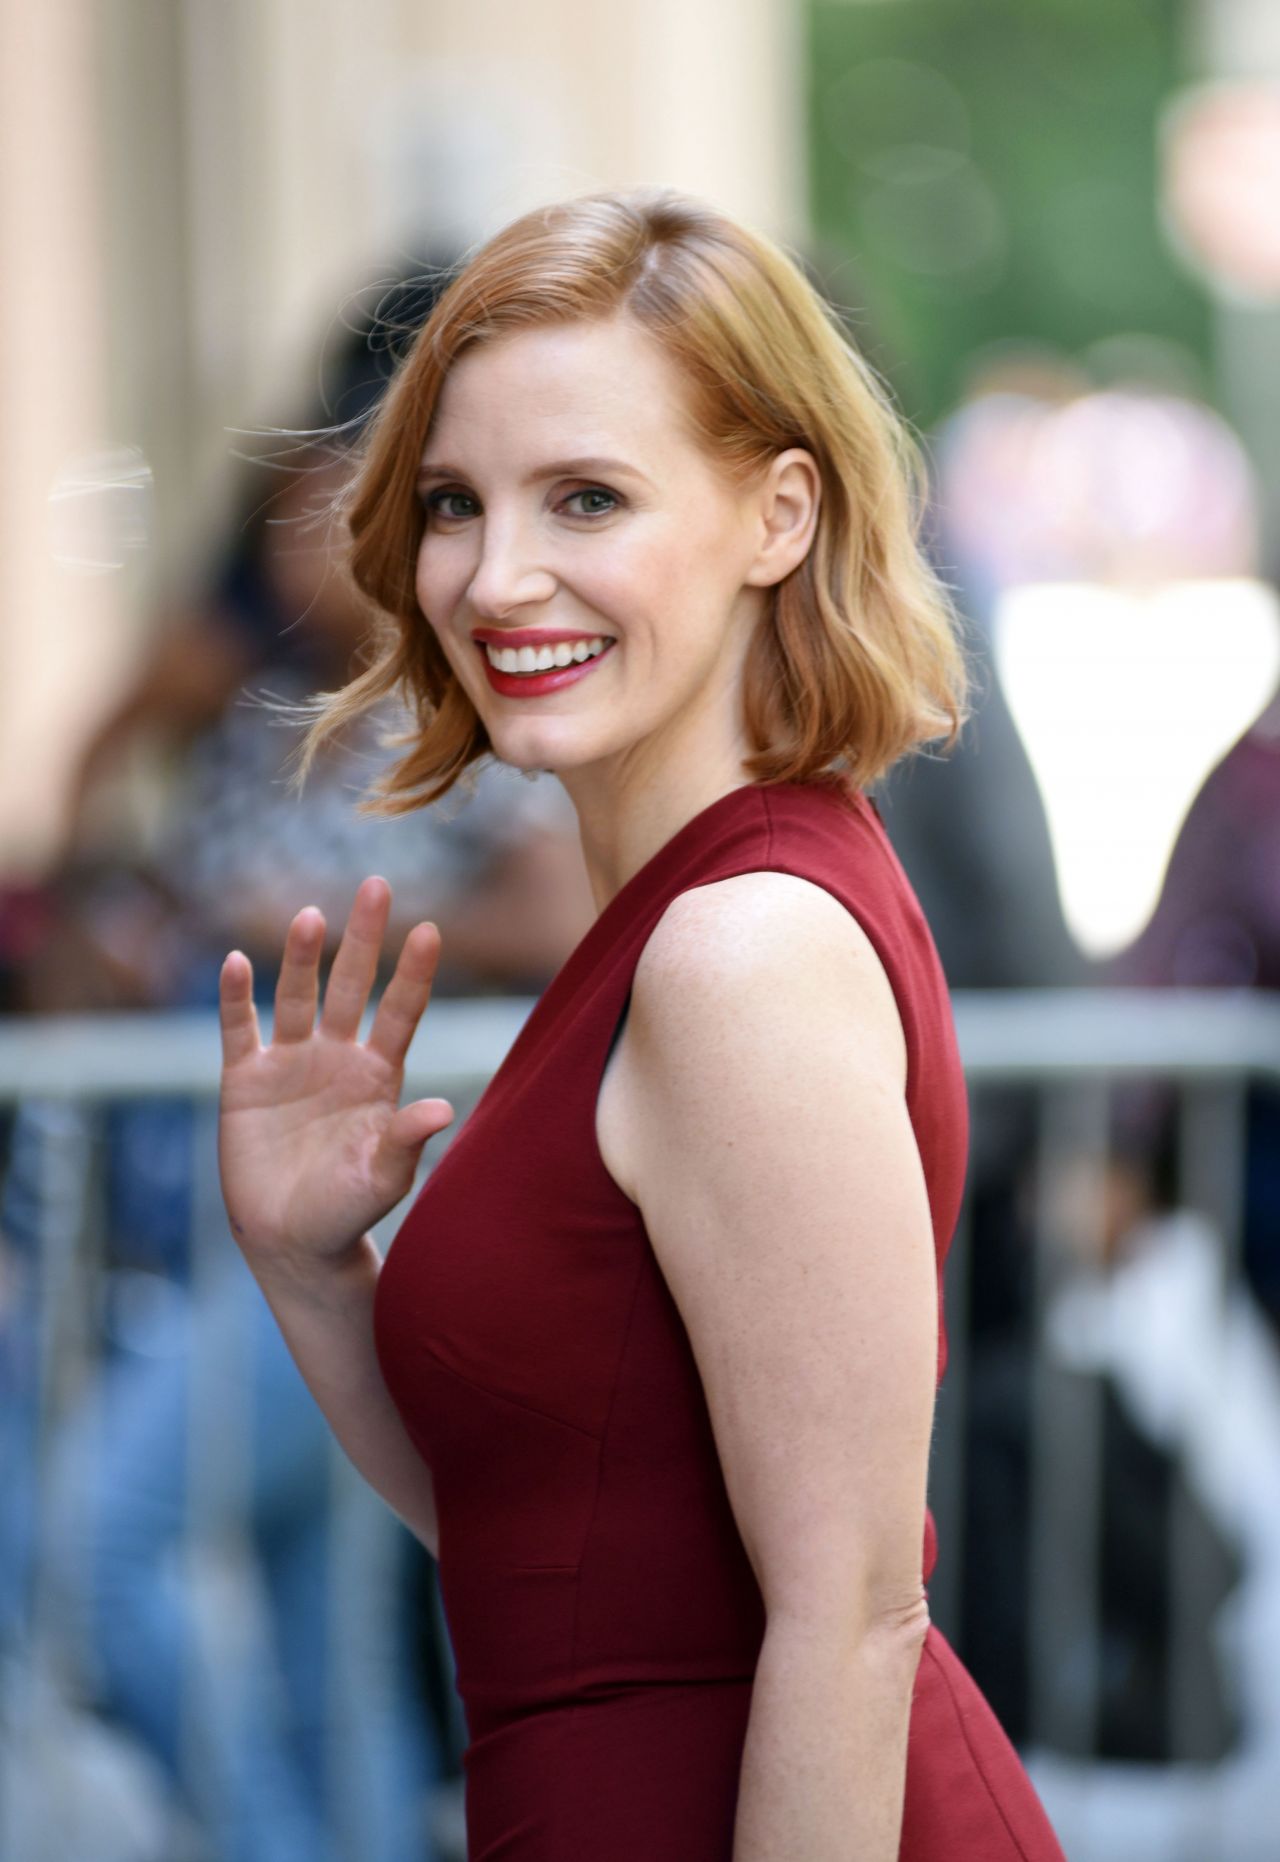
{"type": "Point", "coordinates": [413, 1124]}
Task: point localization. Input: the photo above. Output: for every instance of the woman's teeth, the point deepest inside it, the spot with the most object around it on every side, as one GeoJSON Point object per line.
{"type": "Point", "coordinates": [542, 659]}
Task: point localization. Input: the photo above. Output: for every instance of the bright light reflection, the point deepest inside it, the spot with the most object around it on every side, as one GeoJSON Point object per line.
{"type": "Point", "coordinates": [1125, 699]}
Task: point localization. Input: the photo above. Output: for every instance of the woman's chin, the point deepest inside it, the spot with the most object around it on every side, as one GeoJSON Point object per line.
{"type": "Point", "coordinates": [537, 752]}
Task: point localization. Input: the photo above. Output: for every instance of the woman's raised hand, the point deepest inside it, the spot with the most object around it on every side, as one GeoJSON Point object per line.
{"type": "Point", "coordinates": [313, 1144]}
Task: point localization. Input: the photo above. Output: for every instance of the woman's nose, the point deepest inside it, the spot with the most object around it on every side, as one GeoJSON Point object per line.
{"type": "Point", "coordinates": [508, 574]}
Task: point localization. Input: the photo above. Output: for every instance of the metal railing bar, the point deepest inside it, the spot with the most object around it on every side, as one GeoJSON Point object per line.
{"type": "Point", "coordinates": [1210, 1179]}
{"type": "Point", "coordinates": [1039, 1034]}
{"type": "Point", "coordinates": [1010, 1035]}
{"type": "Point", "coordinates": [152, 1053]}
{"type": "Point", "coordinates": [1066, 1464]}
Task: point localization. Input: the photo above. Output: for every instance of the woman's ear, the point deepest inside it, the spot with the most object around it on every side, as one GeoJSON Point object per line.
{"type": "Point", "coordinates": [787, 505]}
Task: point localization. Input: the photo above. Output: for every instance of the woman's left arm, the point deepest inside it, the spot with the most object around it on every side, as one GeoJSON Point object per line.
{"type": "Point", "coordinates": [778, 1176]}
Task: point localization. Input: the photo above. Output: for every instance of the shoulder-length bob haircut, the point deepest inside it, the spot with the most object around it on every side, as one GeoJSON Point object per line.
{"type": "Point", "coordinates": [859, 657]}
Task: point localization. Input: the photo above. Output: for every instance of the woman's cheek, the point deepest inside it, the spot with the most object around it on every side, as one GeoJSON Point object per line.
{"type": "Point", "coordinates": [438, 595]}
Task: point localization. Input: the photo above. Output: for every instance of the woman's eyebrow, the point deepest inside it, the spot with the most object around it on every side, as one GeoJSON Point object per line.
{"type": "Point", "coordinates": [554, 468]}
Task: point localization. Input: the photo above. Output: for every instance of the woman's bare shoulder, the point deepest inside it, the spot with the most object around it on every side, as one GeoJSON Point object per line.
{"type": "Point", "coordinates": [736, 975]}
{"type": "Point", "coordinates": [721, 944]}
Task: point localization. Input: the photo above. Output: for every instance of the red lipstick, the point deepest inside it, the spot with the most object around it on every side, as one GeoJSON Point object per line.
{"type": "Point", "coordinates": [535, 684]}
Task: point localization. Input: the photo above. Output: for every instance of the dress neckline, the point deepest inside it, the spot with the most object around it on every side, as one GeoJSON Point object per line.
{"type": "Point", "coordinates": [673, 846]}
{"type": "Point", "coordinates": [655, 870]}
{"type": "Point", "coordinates": [623, 913]}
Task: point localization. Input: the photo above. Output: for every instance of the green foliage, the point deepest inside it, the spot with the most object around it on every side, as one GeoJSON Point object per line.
{"type": "Point", "coordinates": [985, 170]}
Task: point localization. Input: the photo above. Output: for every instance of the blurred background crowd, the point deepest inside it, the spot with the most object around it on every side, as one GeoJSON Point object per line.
{"type": "Point", "coordinates": [1053, 226]}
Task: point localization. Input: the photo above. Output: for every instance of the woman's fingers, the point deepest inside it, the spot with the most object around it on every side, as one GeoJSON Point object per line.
{"type": "Point", "coordinates": [237, 1017]}
{"type": "Point", "coordinates": [406, 996]}
{"type": "Point", "coordinates": [354, 968]}
{"type": "Point", "coordinates": [298, 982]}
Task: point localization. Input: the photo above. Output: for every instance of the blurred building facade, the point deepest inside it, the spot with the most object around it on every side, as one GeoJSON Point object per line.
{"type": "Point", "coordinates": [188, 192]}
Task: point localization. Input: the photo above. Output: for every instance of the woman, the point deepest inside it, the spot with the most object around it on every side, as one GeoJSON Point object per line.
{"type": "Point", "coordinates": [651, 1364]}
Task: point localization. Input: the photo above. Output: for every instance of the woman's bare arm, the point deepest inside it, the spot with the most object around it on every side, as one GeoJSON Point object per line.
{"type": "Point", "coordinates": [314, 1149]}
{"type": "Point", "coordinates": [327, 1323]}
{"type": "Point", "coordinates": [777, 1172]}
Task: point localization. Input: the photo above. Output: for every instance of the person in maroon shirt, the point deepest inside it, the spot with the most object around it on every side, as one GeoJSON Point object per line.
{"type": "Point", "coordinates": [1217, 926]}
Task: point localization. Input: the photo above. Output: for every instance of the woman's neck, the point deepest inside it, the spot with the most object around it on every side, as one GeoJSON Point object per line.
{"type": "Point", "coordinates": [622, 825]}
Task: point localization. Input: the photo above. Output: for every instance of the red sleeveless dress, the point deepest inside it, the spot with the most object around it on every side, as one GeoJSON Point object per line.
{"type": "Point", "coordinates": [604, 1616]}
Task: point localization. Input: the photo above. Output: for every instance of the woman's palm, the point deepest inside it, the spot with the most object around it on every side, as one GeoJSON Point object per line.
{"type": "Point", "coordinates": [313, 1145]}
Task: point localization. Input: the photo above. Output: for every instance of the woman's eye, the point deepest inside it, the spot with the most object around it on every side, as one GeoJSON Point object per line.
{"type": "Point", "coordinates": [594, 491]}
{"type": "Point", "coordinates": [436, 501]}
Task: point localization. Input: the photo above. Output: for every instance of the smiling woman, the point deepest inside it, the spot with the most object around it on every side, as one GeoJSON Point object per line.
{"type": "Point", "coordinates": [652, 1360]}
{"type": "Point", "coordinates": [669, 549]}
{"type": "Point", "coordinates": [694, 353]}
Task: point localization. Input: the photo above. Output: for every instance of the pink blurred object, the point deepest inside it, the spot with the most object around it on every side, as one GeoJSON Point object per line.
{"type": "Point", "coordinates": [1220, 147]}
{"type": "Point", "coordinates": [1118, 486]}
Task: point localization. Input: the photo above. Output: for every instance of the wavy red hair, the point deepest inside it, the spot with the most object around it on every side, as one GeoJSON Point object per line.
{"type": "Point", "coordinates": [859, 658]}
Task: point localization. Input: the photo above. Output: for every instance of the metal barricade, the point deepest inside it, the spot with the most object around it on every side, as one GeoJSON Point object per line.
{"type": "Point", "coordinates": [1067, 1051]}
